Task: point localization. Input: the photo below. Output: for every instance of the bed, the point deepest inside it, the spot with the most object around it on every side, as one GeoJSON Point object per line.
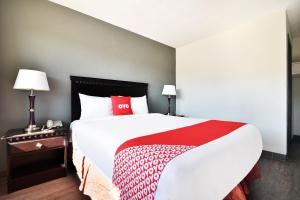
{"type": "Point", "coordinates": [210, 171]}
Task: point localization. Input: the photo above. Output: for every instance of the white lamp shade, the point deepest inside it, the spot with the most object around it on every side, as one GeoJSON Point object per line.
{"type": "Point", "coordinates": [31, 80]}
{"type": "Point", "coordinates": [169, 90]}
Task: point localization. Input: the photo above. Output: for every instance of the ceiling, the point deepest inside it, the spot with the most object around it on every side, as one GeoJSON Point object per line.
{"type": "Point", "coordinates": [179, 22]}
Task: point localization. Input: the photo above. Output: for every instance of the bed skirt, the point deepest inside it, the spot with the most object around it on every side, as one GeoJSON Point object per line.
{"type": "Point", "coordinates": [92, 184]}
{"type": "Point", "coordinates": [97, 187]}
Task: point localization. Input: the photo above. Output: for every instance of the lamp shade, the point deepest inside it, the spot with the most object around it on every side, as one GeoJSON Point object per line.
{"type": "Point", "coordinates": [31, 80]}
{"type": "Point", "coordinates": [169, 90]}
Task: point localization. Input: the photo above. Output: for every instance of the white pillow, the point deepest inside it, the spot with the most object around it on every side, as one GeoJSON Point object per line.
{"type": "Point", "coordinates": [139, 105]}
{"type": "Point", "coordinates": [94, 107]}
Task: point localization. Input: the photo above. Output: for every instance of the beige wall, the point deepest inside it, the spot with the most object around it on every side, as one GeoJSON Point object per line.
{"type": "Point", "coordinates": [37, 34]}
{"type": "Point", "coordinates": [239, 75]}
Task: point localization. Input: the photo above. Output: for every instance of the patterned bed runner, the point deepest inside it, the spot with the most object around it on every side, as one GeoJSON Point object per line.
{"type": "Point", "coordinates": [139, 162]}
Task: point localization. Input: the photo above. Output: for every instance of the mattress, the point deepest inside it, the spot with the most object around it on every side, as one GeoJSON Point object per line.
{"type": "Point", "coordinates": [209, 171]}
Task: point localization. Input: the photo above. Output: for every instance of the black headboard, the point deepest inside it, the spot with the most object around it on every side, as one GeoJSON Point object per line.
{"type": "Point", "coordinates": [102, 88]}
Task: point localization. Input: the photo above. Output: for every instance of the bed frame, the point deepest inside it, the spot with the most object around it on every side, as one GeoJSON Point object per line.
{"type": "Point", "coordinates": [102, 88]}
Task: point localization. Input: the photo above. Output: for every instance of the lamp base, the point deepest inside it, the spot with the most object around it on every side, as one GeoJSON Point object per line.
{"type": "Point", "coordinates": [31, 128]}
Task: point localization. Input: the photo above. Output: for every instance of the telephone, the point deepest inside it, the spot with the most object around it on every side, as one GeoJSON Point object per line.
{"type": "Point", "coordinates": [54, 124]}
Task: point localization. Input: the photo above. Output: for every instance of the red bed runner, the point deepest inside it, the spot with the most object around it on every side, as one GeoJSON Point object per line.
{"type": "Point", "coordinates": [139, 162]}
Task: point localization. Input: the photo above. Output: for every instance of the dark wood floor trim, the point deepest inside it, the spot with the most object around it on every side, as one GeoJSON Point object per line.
{"type": "Point", "coordinates": [272, 155]}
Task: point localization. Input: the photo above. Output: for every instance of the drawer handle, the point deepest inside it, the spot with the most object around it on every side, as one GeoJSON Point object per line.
{"type": "Point", "coordinates": [38, 145]}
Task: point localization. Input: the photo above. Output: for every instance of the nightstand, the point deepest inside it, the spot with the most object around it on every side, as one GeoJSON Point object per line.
{"type": "Point", "coordinates": [34, 158]}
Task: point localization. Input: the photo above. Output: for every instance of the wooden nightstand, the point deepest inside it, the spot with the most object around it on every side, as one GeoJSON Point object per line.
{"type": "Point", "coordinates": [36, 157]}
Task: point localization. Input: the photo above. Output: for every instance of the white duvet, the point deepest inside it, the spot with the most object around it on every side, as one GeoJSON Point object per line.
{"type": "Point", "coordinates": [207, 172]}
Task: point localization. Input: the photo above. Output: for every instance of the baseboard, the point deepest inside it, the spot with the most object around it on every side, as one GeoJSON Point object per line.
{"type": "Point", "coordinates": [272, 155]}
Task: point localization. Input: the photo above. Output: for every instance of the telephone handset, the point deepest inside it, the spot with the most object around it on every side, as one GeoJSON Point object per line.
{"type": "Point", "coordinates": [54, 124]}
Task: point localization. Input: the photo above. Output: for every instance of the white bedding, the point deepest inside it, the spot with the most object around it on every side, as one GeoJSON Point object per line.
{"type": "Point", "coordinates": [207, 172]}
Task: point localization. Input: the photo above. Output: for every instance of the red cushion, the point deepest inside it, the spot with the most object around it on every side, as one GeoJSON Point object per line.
{"type": "Point", "coordinates": [121, 105]}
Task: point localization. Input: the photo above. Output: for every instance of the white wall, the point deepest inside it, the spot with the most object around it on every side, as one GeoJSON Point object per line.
{"type": "Point", "coordinates": [239, 75]}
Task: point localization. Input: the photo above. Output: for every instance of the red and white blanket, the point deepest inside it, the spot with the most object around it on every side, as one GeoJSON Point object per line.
{"type": "Point", "coordinates": [139, 162]}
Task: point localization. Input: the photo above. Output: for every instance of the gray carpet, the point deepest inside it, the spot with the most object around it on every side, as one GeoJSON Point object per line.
{"type": "Point", "coordinates": [280, 179]}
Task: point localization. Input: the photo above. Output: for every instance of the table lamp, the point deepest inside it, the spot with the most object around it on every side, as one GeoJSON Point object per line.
{"type": "Point", "coordinates": [169, 90]}
{"type": "Point", "coordinates": [34, 81]}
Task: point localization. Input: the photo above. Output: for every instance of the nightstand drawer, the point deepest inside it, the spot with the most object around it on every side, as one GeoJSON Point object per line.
{"type": "Point", "coordinates": [34, 145]}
